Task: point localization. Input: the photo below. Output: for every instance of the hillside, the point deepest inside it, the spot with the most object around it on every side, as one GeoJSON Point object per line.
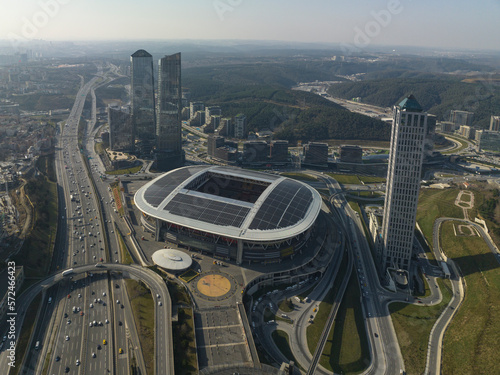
{"type": "Point", "coordinates": [437, 95]}
{"type": "Point", "coordinates": [262, 93]}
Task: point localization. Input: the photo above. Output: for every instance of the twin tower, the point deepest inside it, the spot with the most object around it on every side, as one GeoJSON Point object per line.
{"type": "Point", "coordinates": [157, 123]}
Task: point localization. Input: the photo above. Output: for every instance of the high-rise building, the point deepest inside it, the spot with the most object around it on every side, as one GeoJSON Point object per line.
{"type": "Point", "coordinates": [240, 126]}
{"type": "Point", "coordinates": [143, 100]}
{"type": "Point", "coordinates": [495, 123]}
{"type": "Point", "coordinates": [120, 130]}
{"type": "Point", "coordinates": [409, 128]}
{"type": "Point", "coordinates": [461, 117]}
{"type": "Point", "coordinates": [168, 111]}
{"type": "Point", "coordinates": [195, 107]}
{"type": "Point", "coordinates": [488, 140]}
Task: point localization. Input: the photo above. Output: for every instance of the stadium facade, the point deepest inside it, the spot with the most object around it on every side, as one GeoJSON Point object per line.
{"type": "Point", "coordinates": [230, 212]}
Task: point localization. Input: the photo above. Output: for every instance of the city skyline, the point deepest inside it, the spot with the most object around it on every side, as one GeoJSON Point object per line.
{"type": "Point", "coordinates": [446, 24]}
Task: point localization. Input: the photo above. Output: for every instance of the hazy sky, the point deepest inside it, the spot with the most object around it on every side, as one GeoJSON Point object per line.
{"type": "Point", "coordinates": [433, 23]}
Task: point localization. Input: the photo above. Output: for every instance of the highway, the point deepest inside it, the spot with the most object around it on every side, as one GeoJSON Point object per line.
{"type": "Point", "coordinates": [386, 357]}
{"type": "Point", "coordinates": [82, 329]}
{"type": "Point", "coordinates": [154, 281]}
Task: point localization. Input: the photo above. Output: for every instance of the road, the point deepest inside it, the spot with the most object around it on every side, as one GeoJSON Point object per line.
{"type": "Point", "coordinates": [163, 314]}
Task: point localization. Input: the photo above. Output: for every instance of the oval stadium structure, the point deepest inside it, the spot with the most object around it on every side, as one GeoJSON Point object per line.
{"type": "Point", "coordinates": [230, 212]}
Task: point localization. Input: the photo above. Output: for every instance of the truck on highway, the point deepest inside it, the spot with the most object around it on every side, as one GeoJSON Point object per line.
{"type": "Point", "coordinates": [67, 272]}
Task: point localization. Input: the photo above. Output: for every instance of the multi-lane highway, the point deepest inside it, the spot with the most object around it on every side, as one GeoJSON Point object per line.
{"type": "Point", "coordinates": [86, 324]}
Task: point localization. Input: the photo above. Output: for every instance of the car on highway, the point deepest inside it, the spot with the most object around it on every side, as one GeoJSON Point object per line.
{"type": "Point", "coordinates": [120, 323]}
{"type": "Point", "coordinates": [78, 362]}
{"type": "Point", "coordinates": [66, 369]}
{"type": "Point", "coordinates": [66, 338]}
{"type": "Point", "coordinates": [58, 359]}
{"type": "Point", "coordinates": [93, 354]}
{"type": "Point", "coordinates": [120, 351]}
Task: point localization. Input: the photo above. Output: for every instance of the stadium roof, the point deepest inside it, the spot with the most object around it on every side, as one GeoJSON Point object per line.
{"type": "Point", "coordinates": [282, 208]}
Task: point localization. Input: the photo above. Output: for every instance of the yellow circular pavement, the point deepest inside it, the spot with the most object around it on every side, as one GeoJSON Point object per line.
{"type": "Point", "coordinates": [214, 285]}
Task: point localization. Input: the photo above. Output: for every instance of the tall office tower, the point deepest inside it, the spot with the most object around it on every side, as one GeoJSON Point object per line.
{"type": "Point", "coordinates": [169, 153]}
{"type": "Point", "coordinates": [143, 101]}
{"type": "Point", "coordinates": [495, 123]}
{"type": "Point", "coordinates": [461, 117]}
{"type": "Point", "coordinates": [409, 128]}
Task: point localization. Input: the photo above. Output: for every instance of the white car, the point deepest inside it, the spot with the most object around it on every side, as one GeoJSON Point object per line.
{"type": "Point", "coordinates": [91, 305]}
{"type": "Point", "coordinates": [66, 338]}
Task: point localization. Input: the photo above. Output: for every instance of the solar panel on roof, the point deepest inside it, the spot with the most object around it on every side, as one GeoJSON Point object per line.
{"type": "Point", "coordinates": [246, 172]}
{"type": "Point", "coordinates": [161, 188]}
{"type": "Point", "coordinates": [286, 205]}
{"type": "Point", "coordinates": [207, 210]}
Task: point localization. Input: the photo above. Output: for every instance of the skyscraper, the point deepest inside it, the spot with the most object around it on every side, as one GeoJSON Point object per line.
{"type": "Point", "coordinates": [409, 128]}
{"type": "Point", "coordinates": [168, 124]}
{"type": "Point", "coordinates": [143, 100]}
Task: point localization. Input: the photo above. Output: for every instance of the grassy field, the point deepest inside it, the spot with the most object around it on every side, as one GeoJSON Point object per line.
{"type": "Point", "coordinates": [358, 142]}
{"type": "Point", "coordinates": [345, 179]}
{"type": "Point", "coordinates": [185, 360]}
{"type": "Point", "coordinates": [27, 328]}
{"type": "Point", "coordinates": [282, 341]}
{"type": "Point", "coordinates": [188, 275]}
{"type": "Point", "coordinates": [125, 254]}
{"type": "Point", "coordinates": [433, 203]}
{"type": "Point", "coordinates": [37, 250]}
{"type": "Point", "coordinates": [346, 350]}
{"type": "Point", "coordinates": [299, 176]}
{"type": "Point", "coordinates": [130, 170]}
{"type": "Point", "coordinates": [471, 342]}
{"type": "Point", "coordinates": [463, 145]}
{"type": "Point", "coordinates": [143, 309]}
{"type": "Point", "coordinates": [178, 294]}
{"type": "Point", "coordinates": [413, 325]}
{"type": "Point", "coordinates": [314, 330]}
{"type": "Point", "coordinates": [372, 179]}
{"type": "Point", "coordinates": [286, 305]}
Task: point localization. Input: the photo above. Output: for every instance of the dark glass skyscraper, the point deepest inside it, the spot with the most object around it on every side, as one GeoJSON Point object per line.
{"type": "Point", "coordinates": [168, 111]}
{"type": "Point", "coordinates": [143, 100]}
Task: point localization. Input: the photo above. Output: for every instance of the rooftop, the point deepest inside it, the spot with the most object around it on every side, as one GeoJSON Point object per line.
{"type": "Point", "coordinates": [410, 104]}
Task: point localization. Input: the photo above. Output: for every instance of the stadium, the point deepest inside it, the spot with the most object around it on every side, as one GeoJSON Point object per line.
{"type": "Point", "coordinates": [230, 212]}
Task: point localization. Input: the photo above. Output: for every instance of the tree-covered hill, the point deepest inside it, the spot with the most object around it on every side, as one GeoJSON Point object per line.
{"type": "Point", "coordinates": [437, 95]}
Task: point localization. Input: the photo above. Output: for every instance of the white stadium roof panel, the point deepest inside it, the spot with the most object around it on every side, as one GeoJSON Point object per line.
{"type": "Point", "coordinates": [231, 202]}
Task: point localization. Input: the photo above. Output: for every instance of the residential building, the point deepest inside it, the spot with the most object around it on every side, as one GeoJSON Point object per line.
{"type": "Point", "coordinates": [461, 117]}
{"type": "Point", "coordinates": [495, 123]}
{"type": "Point", "coordinates": [195, 107]}
{"type": "Point", "coordinates": [488, 141]}
{"type": "Point", "coordinates": [240, 126]}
